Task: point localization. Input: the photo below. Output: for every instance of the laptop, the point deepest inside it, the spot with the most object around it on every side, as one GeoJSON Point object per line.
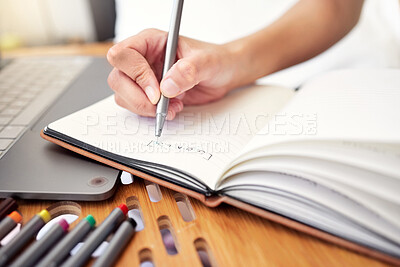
{"type": "Point", "coordinates": [33, 93]}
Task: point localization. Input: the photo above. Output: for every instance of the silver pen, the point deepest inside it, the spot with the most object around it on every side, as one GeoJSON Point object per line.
{"type": "Point", "coordinates": [170, 56]}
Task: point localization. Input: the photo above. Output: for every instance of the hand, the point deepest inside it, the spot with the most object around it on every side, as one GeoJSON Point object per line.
{"type": "Point", "coordinates": [203, 73]}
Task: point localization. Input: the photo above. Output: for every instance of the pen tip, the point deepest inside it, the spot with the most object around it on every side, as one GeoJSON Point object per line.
{"type": "Point", "coordinates": [160, 119]}
{"type": "Point", "coordinates": [158, 133]}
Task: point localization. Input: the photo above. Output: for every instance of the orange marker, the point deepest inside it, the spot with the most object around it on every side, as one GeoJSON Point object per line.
{"type": "Point", "coordinates": [28, 231]}
{"type": "Point", "coordinates": [8, 223]}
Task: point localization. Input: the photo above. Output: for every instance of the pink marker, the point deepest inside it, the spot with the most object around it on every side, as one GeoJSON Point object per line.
{"type": "Point", "coordinates": [32, 254]}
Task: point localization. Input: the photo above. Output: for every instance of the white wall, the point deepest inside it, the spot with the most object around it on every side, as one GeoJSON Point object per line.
{"type": "Point", "coordinates": [41, 22]}
{"type": "Point", "coordinates": [216, 21]}
{"type": "Point", "coordinates": [374, 42]}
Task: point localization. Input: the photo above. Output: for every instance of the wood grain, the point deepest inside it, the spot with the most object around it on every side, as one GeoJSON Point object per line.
{"type": "Point", "coordinates": [234, 237]}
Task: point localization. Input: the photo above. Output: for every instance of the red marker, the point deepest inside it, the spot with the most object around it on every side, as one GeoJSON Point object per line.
{"type": "Point", "coordinates": [117, 244]}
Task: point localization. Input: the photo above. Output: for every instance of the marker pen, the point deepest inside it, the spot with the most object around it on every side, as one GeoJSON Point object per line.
{"type": "Point", "coordinates": [117, 244]}
{"type": "Point", "coordinates": [7, 206]}
{"type": "Point", "coordinates": [32, 254]}
{"type": "Point", "coordinates": [8, 223]}
{"type": "Point", "coordinates": [24, 236]}
{"type": "Point", "coordinates": [99, 235]}
{"type": "Point", "coordinates": [55, 256]}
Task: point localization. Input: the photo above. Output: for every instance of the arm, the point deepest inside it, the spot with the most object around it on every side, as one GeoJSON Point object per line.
{"type": "Point", "coordinates": [307, 29]}
{"type": "Point", "coordinates": [206, 72]}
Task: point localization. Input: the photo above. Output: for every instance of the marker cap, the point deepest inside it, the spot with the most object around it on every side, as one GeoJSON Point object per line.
{"type": "Point", "coordinates": [132, 222]}
{"type": "Point", "coordinates": [124, 208]}
{"type": "Point", "coordinates": [64, 224]}
{"type": "Point", "coordinates": [15, 216]}
{"type": "Point", "coordinates": [91, 220]}
{"type": "Point", "coordinates": [45, 215]}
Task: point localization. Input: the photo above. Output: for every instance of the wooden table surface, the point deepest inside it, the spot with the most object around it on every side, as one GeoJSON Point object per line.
{"type": "Point", "coordinates": [230, 237]}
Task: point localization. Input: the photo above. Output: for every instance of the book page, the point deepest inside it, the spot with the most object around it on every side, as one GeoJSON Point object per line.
{"type": "Point", "coordinates": [379, 158]}
{"type": "Point", "coordinates": [201, 141]}
{"type": "Point", "coordinates": [337, 145]}
{"type": "Point", "coordinates": [317, 205]}
{"type": "Point", "coordinates": [349, 105]}
{"type": "Point", "coordinates": [381, 195]}
{"type": "Point", "coordinates": [373, 168]}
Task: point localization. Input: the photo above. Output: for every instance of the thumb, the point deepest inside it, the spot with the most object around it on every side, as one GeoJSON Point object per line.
{"type": "Point", "coordinates": [183, 75]}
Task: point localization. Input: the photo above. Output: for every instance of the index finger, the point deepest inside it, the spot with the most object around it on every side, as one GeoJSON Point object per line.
{"type": "Point", "coordinates": [133, 57]}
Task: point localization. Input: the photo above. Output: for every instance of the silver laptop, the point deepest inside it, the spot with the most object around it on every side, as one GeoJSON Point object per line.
{"type": "Point", "coordinates": [33, 93]}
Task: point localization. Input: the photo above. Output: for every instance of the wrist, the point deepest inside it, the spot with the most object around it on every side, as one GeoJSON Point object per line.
{"type": "Point", "coordinates": [240, 63]}
{"type": "Point", "coordinates": [222, 62]}
{"type": "Point", "coordinates": [254, 56]}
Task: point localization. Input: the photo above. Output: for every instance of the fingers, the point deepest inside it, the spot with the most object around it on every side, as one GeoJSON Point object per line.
{"type": "Point", "coordinates": [183, 75]}
{"type": "Point", "coordinates": [129, 57]}
{"type": "Point", "coordinates": [134, 65]}
{"type": "Point", "coordinates": [130, 96]}
{"type": "Point", "coordinates": [175, 106]}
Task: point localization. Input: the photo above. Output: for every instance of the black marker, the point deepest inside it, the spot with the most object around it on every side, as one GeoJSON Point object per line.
{"type": "Point", "coordinates": [117, 244]}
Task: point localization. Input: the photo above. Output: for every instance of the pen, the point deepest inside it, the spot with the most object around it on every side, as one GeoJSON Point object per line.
{"type": "Point", "coordinates": [32, 254]}
{"type": "Point", "coordinates": [24, 236]}
{"type": "Point", "coordinates": [170, 56]}
{"type": "Point", "coordinates": [55, 256]}
{"type": "Point", "coordinates": [116, 217]}
{"type": "Point", "coordinates": [118, 242]}
{"type": "Point", "coordinates": [8, 223]}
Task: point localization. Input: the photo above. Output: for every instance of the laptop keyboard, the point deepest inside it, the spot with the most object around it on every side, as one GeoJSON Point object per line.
{"type": "Point", "coordinates": [28, 87]}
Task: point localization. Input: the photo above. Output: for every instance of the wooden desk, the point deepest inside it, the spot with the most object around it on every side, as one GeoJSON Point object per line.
{"type": "Point", "coordinates": [232, 237]}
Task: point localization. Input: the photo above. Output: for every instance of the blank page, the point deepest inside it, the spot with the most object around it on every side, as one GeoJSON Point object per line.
{"type": "Point", "coordinates": [354, 105]}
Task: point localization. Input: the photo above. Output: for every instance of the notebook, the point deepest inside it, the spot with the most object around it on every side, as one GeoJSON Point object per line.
{"type": "Point", "coordinates": [324, 160]}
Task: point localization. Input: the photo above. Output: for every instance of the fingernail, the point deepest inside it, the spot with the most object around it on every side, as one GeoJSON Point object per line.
{"type": "Point", "coordinates": [169, 88]}
{"type": "Point", "coordinates": [170, 115]}
{"type": "Point", "coordinates": [151, 94]}
{"type": "Point", "coordinates": [179, 106]}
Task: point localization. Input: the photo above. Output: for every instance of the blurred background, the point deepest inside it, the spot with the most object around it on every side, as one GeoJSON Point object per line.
{"type": "Point", "coordinates": [54, 22]}
{"type": "Point", "coordinates": [374, 42]}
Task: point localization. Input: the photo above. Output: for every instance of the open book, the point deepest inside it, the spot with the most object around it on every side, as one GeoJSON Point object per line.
{"type": "Point", "coordinates": [326, 157]}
